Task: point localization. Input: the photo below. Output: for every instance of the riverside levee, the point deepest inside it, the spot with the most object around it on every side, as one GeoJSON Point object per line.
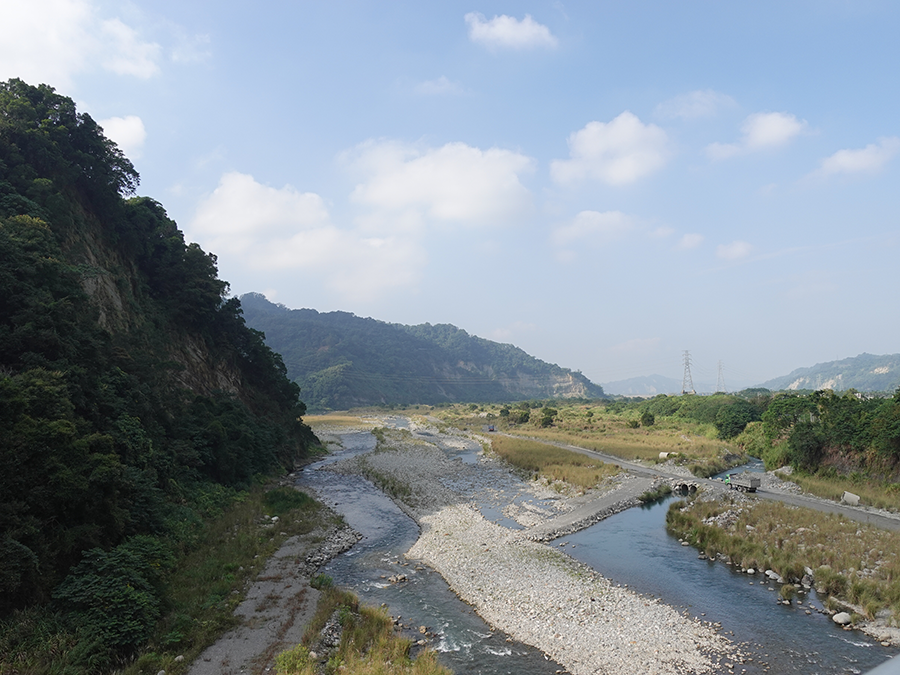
{"type": "Point", "coordinates": [676, 578]}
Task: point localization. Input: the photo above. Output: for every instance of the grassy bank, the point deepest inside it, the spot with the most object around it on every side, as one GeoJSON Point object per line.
{"type": "Point", "coordinates": [214, 560]}
{"type": "Point", "coordinates": [368, 644]}
{"type": "Point", "coordinates": [851, 562]}
{"type": "Point", "coordinates": [602, 430]}
{"type": "Point", "coordinates": [556, 464]}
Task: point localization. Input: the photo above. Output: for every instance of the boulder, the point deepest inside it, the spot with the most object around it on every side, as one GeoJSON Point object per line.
{"type": "Point", "coordinates": [841, 618]}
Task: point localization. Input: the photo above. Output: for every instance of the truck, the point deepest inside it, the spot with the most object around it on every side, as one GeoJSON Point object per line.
{"type": "Point", "coordinates": [745, 482]}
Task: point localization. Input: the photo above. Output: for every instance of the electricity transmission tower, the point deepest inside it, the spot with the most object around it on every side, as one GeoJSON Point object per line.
{"type": "Point", "coordinates": [687, 383]}
{"type": "Point", "coordinates": [720, 381]}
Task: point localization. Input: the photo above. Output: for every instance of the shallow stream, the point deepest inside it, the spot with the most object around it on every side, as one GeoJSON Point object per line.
{"type": "Point", "coordinates": [630, 548]}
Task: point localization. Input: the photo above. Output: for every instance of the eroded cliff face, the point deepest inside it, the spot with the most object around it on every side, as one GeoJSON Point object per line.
{"type": "Point", "coordinates": [116, 292]}
{"type": "Point", "coordinates": [564, 385]}
{"type": "Point", "coordinates": [521, 384]}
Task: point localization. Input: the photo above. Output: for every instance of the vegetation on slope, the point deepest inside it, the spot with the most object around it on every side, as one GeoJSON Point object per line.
{"type": "Point", "coordinates": [343, 361]}
{"type": "Point", "coordinates": [132, 394]}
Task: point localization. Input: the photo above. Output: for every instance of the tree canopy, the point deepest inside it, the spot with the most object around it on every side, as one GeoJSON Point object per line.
{"type": "Point", "coordinates": [130, 386]}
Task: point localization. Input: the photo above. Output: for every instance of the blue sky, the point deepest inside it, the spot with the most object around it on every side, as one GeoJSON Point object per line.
{"type": "Point", "coordinates": [604, 184]}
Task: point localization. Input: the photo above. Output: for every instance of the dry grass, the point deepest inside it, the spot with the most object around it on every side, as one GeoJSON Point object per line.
{"type": "Point", "coordinates": [340, 420]}
{"type": "Point", "coordinates": [878, 494]}
{"type": "Point", "coordinates": [552, 462]}
{"type": "Point", "coordinates": [852, 562]}
{"type": "Point", "coordinates": [613, 434]}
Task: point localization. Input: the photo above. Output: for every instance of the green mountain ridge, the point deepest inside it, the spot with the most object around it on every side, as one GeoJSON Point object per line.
{"type": "Point", "coordinates": [342, 361]}
{"type": "Point", "coordinates": [866, 372]}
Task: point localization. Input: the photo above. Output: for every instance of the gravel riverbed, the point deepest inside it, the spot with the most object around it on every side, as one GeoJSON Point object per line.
{"type": "Point", "coordinates": [531, 590]}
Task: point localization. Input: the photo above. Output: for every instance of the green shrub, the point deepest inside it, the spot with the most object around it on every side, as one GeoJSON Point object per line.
{"type": "Point", "coordinates": [282, 499]}
{"type": "Point", "coordinates": [115, 595]}
{"type": "Point", "coordinates": [321, 582]}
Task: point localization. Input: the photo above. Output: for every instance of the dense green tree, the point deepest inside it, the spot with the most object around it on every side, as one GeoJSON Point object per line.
{"type": "Point", "coordinates": [106, 428]}
{"type": "Point", "coordinates": [731, 420]}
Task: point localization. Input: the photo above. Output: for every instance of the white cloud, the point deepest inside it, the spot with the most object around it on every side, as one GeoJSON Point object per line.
{"type": "Point", "coordinates": [870, 159]}
{"type": "Point", "coordinates": [268, 229]}
{"type": "Point", "coordinates": [126, 132]}
{"type": "Point", "coordinates": [190, 48]}
{"type": "Point", "coordinates": [439, 87]}
{"type": "Point", "coordinates": [240, 212]}
{"type": "Point", "coordinates": [507, 31]}
{"type": "Point", "coordinates": [45, 40]}
{"type": "Point", "coordinates": [126, 54]}
{"type": "Point", "coordinates": [593, 227]}
{"type": "Point", "coordinates": [617, 152]}
{"type": "Point", "coordinates": [50, 41]}
{"type": "Point", "coordinates": [761, 131]}
{"type": "Point", "coordinates": [695, 104]}
{"type": "Point", "coordinates": [453, 184]}
{"type": "Point", "coordinates": [734, 251]}
{"type": "Point", "coordinates": [690, 241]}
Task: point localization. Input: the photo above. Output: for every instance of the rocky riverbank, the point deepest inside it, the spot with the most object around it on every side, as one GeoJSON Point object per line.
{"type": "Point", "coordinates": [530, 590]}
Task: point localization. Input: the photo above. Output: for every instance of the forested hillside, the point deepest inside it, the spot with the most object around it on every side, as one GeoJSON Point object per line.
{"type": "Point", "coordinates": [866, 372]}
{"type": "Point", "coordinates": [342, 361]}
{"type": "Point", "coordinates": [133, 397]}
{"type": "Point", "coordinates": [819, 432]}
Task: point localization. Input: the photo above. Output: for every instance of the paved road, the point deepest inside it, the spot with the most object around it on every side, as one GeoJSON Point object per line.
{"type": "Point", "coordinates": [857, 513]}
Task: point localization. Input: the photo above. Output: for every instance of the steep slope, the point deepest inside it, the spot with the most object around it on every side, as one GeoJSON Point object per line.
{"type": "Point", "coordinates": [132, 394]}
{"type": "Point", "coordinates": [866, 372]}
{"type": "Point", "coordinates": [341, 361]}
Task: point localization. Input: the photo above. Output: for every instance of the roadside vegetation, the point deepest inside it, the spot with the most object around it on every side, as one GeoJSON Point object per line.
{"type": "Point", "coordinates": [880, 494]}
{"type": "Point", "coordinates": [850, 563]}
{"type": "Point", "coordinates": [368, 644]}
{"type": "Point", "coordinates": [136, 609]}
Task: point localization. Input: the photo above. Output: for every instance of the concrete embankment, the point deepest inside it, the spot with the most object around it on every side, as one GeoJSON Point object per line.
{"type": "Point", "coordinates": [593, 509]}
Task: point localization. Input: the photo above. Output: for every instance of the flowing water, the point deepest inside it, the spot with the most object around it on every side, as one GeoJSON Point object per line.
{"type": "Point", "coordinates": [465, 643]}
{"type": "Point", "coordinates": [631, 548]}
{"type": "Point", "coordinates": [634, 548]}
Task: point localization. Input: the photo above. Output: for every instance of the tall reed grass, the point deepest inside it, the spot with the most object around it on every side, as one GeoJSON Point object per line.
{"type": "Point", "coordinates": [368, 643]}
{"type": "Point", "coordinates": [553, 462]}
{"type": "Point", "coordinates": [852, 562]}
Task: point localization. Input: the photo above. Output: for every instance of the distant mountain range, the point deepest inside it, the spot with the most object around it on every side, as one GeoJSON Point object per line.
{"type": "Point", "coordinates": [866, 372]}
{"type": "Point", "coordinates": [342, 361]}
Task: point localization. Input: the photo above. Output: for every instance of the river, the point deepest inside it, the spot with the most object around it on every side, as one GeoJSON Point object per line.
{"type": "Point", "coordinates": [631, 548]}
